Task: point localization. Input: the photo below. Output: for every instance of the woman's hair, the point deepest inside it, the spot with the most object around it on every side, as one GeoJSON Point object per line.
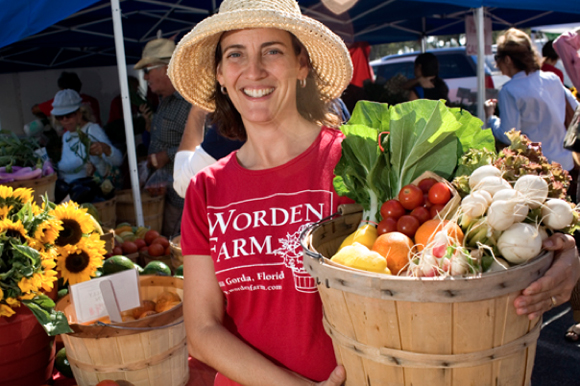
{"type": "Point", "coordinates": [87, 114]}
{"type": "Point", "coordinates": [518, 46]}
{"type": "Point", "coordinates": [549, 52]}
{"type": "Point", "coordinates": [308, 102]}
{"type": "Point", "coordinates": [429, 64]}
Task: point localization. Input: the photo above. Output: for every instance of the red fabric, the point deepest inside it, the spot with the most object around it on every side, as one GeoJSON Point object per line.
{"type": "Point", "coordinates": [93, 103]}
{"type": "Point", "coordinates": [549, 68]}
{"type": "Point", "coordinates": [359, 53]}
{"type": "Point", "coordinates": [249, 222]}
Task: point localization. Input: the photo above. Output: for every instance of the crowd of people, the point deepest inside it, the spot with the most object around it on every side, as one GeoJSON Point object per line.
{"type": "Point", "coordinates": [244, 121]}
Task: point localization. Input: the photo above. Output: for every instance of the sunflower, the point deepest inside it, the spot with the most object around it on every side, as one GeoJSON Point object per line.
{"type": "Point", "coordinates": [81, 263]}
{"type": "Point", "coordinates": [5, 210]}
{"type": "Point", "coordinates": [24, 195]}
{"type": "Point", "coordinates": [48, 231]}
{"type": "Point", "coordinates": [6, 311]}
{"type": "Point", "coordinates": [5, 192]}
{"type": "Point", "coordinates": [75, 222]}
{"type": "Point", "coordinates": [1, 294]}
{"type": "Point", "coordinates": [29, 285]}
{"type": "Point", "coordinates": [13, 229]}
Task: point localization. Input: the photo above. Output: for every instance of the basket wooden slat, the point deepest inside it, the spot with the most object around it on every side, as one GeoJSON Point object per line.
{"type": "Point", "coordinates": [41, 186]}
{"type": "Point", "coordinates": [152, 208]}
{"type": "Point", "coordinates": [422, 332]}
{"type": "Point", "coordinates": [154, 356]}
{"type": "Point", "coordinates": [107, 212]}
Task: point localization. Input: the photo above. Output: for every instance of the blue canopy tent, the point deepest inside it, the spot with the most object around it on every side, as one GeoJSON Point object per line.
{"type": "Point", "coordinates": [49, 34]}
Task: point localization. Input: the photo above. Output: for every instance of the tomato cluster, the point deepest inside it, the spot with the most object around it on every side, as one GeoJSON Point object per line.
{"type": "Point", "coordinates": [415, 205]}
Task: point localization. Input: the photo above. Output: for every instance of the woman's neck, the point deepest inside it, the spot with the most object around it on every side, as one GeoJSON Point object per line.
{"type": "Point", "coordinates": [272, 145]}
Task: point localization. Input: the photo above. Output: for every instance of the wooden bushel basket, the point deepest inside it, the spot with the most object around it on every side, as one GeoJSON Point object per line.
{"type": "Point", "coordinates": [395, 331]}
{"type": "Point", "coordinates": [41, 186]}
{"type": "Point", "coordinates": [107, 212]}
{"type": "Point", "coordinates": [150, 351]}
{"type": "Point", "coordinates": [152, 208]}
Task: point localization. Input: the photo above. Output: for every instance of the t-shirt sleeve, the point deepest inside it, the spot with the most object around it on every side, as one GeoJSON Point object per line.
{"type": "Point", "coordinates": [194, 223]}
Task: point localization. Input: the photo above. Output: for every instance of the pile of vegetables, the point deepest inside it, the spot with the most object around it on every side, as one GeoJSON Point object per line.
{"type": "Point", "coordinates": [511, 201]}
{"type": "Point", "coordinates": [21, 159]}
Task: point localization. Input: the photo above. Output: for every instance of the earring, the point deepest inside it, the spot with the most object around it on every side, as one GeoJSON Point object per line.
{"type": "Point", "coordinates": [223, 90]}
{"type": "Point", "coordinates": [302, 83]}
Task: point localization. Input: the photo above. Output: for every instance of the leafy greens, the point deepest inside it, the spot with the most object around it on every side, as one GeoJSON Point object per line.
{"type": "Point", "coordinates": [422, 135]}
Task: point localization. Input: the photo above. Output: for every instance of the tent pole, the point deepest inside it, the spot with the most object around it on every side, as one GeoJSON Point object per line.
{"type": "Point", "coordinates": [479, 25]}
{"type": "Point", "coordinates": [424, 36]}
{"type": "Point", "coordinates": [122, 68]}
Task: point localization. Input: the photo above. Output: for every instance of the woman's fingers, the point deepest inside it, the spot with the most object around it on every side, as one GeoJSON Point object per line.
{"type": "Point", "coordinates": [336, 378]}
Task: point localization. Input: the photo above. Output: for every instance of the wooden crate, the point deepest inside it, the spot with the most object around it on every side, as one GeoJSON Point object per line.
{"type": "Point", "coordinates": [152, 209]}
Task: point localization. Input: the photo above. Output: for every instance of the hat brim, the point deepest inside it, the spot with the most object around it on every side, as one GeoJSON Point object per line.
{"type": "Point", "coordinates": [192, 66]}
{"type": "Point", "coordinates": [64, 110]}
{"type": "Point", "coordinates": [144, 62]}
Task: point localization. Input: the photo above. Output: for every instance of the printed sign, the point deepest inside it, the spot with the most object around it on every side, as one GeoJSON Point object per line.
{"type": "Point", "coordinates": [471, 35]}
{"type": "Point", "coordinates": [106, 296]}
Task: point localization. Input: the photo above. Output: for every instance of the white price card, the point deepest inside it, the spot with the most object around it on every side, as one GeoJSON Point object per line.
{"type": "Point", "coordinates": [106, 296]}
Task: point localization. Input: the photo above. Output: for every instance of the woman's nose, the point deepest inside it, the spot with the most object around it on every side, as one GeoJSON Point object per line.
{"type": "Point", "coordinates": [255, 68]}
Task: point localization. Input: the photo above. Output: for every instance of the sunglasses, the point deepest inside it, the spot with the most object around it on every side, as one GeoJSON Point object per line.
{"type": "Point", "coordinates": [498, 57]}
{"type": "Point", "coordinates": [147, 70]}
{"type": "Point", "coordinates": [67, 116]}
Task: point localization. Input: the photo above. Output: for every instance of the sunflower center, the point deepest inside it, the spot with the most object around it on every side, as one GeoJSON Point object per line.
{"type": "Point", "coordinates": [77, 262]}
{"type": "Point", "coordinates": [15, 234]}
{"type": "Point", "coordinates": [70, 235]}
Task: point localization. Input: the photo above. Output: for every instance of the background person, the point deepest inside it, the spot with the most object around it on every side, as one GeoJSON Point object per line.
{"type": "Point", "coordinates": [166, 125]}
{"type": "Point", "coordinates": [567, 46]}
{"type": "Point", "coordinates": [86, 150]}
{"type": "Point", "coordinates": [427, 84]}
{"type": "Point", "coordinates": [532, 101]}
{"type": "Point", "coordinates": [549, 60]}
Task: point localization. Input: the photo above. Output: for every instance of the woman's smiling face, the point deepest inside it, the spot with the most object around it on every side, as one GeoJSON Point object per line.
{"type": "Point", "coordinates": [259, 69]}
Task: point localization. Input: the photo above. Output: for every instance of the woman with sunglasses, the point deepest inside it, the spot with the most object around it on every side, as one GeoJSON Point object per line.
{"type": "Point", "coordinates": [532, 101]}
{"type": "Point", "coordinates": [86, 149]}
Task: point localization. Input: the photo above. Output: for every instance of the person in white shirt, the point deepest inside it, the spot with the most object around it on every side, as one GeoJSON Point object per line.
{"type": "Point", "coordinates": [532, 101]}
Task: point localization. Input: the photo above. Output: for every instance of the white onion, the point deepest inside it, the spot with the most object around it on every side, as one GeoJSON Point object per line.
{"type": "Point", "coordinates": [519, 243]}
{"type": "Point", "coordinates": [534, 188]}
{"type": "Point", "coordinates": [557, 214]}
{"type": "Point", "coordinates": [492, 185]}
{"type": "Point", "coordinates": [482, 172]}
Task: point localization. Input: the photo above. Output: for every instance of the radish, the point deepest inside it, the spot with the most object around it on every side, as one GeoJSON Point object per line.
{"type": "Point", "coordinates": [520, 210]}
{"type": "Point", "coordinates": [534, 188]}
{"type": "Point", "coordinates": [557, 214]}
{"type": "Point", "coordinates": [500, 215]}
{"type": "Point", "coordinates": [482, 172]}
{"type": "Point", "coordinates": [475, 204]}
{"type": "Point", "coordinates": [519, 243]}
{"type": "Point", "coordinates": [492, 185]}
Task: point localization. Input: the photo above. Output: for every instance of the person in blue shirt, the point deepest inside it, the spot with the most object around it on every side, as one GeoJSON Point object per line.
{"type": "Point", "coordinates": [532, 101]}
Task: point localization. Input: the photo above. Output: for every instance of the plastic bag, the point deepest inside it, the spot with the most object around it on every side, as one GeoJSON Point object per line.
{"type": "Point", "coordinates": [158, 181]}
{"type": "Point", "coordinates": [143, 171]}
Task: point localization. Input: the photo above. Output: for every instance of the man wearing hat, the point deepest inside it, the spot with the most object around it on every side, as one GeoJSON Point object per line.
{"type": "Point", "coordinates": [167, 124]}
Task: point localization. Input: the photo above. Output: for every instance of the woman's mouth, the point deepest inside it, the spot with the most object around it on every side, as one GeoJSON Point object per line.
{"type": "Point", "coordinates": [257, 92]}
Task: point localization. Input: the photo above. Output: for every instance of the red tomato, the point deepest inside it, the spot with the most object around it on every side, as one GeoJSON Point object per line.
{"type": "Point", "coordinates": [408, 225]}
{"type": "Point", "coordinates": [161, 240]}
{"type": "Point", "coordinates": [436, 208]}
{"type": "Point", "coordinates": [439, 193]}
{"type": "Point", "coordinates": [156, 250]}
{"type": "Point", "coordinates": [427, 203]}
{"type": "Point", "coordinates": [129, 247]}
{"type": "Point", "coordinates": [411, 197]}
{"type": "Point", "coordinates": [140, 243]}
{"type": "Point", "coordinates": [392, 208]}
{"type": "Point", "coordinates": [421, 213]}
{"type": "Point", "coordinates": [426, 184]}
{"type": "Point", "coordinates": [117, 251]}
{"type": "Point", "coordinates": [150, 236]}
{"type": "Point", "coordinates": [389, 224]}
{"type": "Point", "coordinates": [144, 249]}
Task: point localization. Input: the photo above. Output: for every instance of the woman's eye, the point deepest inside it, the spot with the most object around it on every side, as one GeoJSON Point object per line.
{"type": "Point", "coordinates": [274, 51]}
{"type": "Point", "coordinates": [233, 55]}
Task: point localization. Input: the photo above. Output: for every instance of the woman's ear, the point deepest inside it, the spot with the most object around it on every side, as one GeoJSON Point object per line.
{"type": "Point", "coordinates": [218, 74]}
{"type": "Point", "coordinates": [304, 65]}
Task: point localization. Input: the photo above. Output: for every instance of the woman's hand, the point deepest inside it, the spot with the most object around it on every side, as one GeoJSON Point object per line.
{"type": "Point", "coordinates": [336, 378]}
{"type": "Point", "coordinates": [555, 287]}
{"type": "Point", "coordinates": [100, 148]}
{"type": "Point", "coordinates": [489, 107]}
{"type": "Point", "coordinates": [426, 81]}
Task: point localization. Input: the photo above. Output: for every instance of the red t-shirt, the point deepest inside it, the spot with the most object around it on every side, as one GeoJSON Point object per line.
{"type": "Point", "coordinates": [249, 221]}
{"type": "Point", "coordinates": [549, 68]}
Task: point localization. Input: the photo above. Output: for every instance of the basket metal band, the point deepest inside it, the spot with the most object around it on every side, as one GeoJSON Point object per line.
{"type": "Point", "coordinates": [154, 360]}
{"type": "Point", "coordinates": [401, 358]}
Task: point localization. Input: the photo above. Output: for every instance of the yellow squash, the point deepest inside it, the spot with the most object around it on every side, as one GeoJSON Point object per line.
{"type": "Point", "coordinates": [366, 235]}
{"type": "Point", "coordinates": [360, 257]}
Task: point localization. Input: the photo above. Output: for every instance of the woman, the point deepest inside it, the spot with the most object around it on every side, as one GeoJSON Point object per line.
{"type": "Point", "coordinates": [532, 101]}
{"type": "Point", "coordinates": [427, 83]}
{"type": "Point", "coordinates": [249, 312]}
{"type": "Point", "coordinates": [85, 146]}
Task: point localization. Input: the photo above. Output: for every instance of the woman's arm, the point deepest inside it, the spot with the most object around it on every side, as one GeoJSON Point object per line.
{"type": "Point", "coordinates": [210, 342]}
{"type": "Point", "coordinates": [510, 117]}
{"type": "Point", "coordinates": [102, 147]}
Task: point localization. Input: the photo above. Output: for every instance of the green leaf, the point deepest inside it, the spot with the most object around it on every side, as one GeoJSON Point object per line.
{"type": "Point", "coordinates": [53, 322]}
{"type": "Point", "coordinates": [470, 134]}
{"type": "Point", "coordinates": [370, 114]}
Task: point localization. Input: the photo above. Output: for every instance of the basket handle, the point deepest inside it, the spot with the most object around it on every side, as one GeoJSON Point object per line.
{"type": "Point", "coordinates": [101, 324]}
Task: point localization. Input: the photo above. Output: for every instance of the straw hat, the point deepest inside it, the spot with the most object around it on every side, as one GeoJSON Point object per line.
{"type": "Point", "coordinates": [192, 66]}
{"type": "Point", "coordinates": [66, 101]}
{"type": "Point", "coordinates": [155, 52]}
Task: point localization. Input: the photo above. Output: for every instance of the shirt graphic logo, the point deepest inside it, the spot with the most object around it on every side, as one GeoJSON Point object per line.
{"type": "Point", "coordinates": [291, 252]}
